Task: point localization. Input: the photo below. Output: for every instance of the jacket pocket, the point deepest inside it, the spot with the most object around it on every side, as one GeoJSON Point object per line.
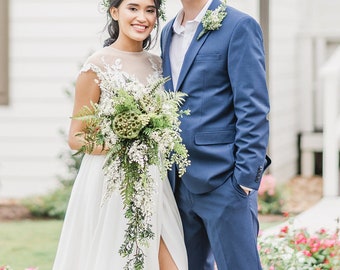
{"type": "Point", "coordinates": [215, 137]}
{"type": "Point", "coordinates": [207, 57]}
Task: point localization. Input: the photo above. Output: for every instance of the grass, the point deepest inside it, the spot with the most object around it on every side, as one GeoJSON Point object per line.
{"type": "Point", "coordinates": [32, 243]}
{"type": "Point", "coordinates": [29, 243]}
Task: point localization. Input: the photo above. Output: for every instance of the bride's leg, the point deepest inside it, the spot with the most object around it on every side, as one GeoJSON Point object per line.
{"type": "Point", "coordinates": [166, 262]}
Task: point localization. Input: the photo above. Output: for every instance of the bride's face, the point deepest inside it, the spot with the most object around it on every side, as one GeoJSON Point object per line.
{"type": "Point", "coordinates": [136, 19]}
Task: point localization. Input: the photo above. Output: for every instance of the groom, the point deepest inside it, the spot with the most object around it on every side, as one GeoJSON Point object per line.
{"type": "Point", "coordinates": [223, 74]}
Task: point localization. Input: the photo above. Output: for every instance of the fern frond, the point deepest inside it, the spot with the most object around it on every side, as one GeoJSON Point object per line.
{"type": "Point", "coordinates": [159, 83]}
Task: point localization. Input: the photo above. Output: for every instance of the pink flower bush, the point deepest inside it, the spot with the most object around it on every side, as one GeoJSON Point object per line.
{"type": "Point", "coordinates": [267, 186]}
{"type": "Point", "coordinates": [300, 250]}
{"type": "Point", "coordinates": [270, 200]}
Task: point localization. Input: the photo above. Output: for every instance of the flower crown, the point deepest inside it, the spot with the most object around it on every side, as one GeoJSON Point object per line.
{"type": "Point", "coordinates": [106, 5]}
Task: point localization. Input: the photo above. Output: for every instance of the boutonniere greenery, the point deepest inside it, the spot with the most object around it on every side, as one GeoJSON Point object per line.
{"type": "Point", "coordinates": [212, 19]}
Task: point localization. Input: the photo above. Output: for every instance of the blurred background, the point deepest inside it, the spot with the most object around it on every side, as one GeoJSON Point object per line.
{"type": "Point", "coordinates": [43, 44]}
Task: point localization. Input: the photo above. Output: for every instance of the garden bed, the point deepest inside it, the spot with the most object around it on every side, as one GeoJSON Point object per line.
{"type": "Point", "coordinates": [302, 193]}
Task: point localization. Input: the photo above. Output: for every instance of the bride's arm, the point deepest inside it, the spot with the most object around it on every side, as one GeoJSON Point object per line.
{"type": "Point", "coordinates": [86, 91]}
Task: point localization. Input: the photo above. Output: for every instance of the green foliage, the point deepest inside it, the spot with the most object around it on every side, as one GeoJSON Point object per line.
{"type": "Point", "coordinates": [297, 249]}
{"type": "Point", "coordinates": [54, 204]}
{"type": "Point", "coordinates": [270, 199]}
{"type": "Point", "coordinates": [271, 204]}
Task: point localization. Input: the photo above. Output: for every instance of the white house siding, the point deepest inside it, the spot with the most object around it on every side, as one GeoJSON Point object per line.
{"type": "Point", "coordinates": [48, 41]}
{"type": "Point", "coordinates": [284, 26]}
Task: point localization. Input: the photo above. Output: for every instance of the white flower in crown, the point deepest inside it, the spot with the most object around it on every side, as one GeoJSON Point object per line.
{"type": "Point", "coordinates": [212, 19]}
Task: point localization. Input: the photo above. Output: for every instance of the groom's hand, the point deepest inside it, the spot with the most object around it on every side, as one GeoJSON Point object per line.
{"type": "Point", "coordinates": [246, 190]}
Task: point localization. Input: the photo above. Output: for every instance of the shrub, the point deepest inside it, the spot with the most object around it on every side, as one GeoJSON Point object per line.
{"type": "Point", "coordinates": [54, 204]}
{"type": "Point", "coordinates": [299, 250]}
{"type": "Point", "coordinates": [270, 199]}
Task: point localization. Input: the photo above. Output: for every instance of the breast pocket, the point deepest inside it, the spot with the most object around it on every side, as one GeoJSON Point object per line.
{"type": "Point", "coordinates": [208, 57]}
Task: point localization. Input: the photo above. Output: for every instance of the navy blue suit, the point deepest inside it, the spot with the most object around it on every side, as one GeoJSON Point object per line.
{"type": "Point", "coordinates": [226, 134]}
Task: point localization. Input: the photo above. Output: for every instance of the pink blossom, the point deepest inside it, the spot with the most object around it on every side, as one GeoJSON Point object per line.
{"type": "Point", "coordinates": [307, 253]}
{"type": "Point", "coordinates": [267, 185]}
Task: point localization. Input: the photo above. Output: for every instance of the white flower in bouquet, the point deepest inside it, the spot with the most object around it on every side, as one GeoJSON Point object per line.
{"type": "Point", "coordinates": [138, 127]}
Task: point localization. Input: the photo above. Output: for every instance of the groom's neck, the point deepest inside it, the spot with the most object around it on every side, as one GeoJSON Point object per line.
{"type": "Point", "coordinates": [191, 9]}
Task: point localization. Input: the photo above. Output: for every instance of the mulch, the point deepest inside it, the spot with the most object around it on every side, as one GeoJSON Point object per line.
{"type": "Point", "coordinates": [11, 210]}
{"type": "Point", "coordinates": [302, 193]}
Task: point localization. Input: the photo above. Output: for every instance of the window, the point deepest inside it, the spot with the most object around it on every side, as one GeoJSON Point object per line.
{"type": "Point", "coordinates": [4, 37]}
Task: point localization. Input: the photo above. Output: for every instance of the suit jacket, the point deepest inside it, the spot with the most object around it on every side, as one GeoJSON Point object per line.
{"type": "Point", "coordinates": [223, 74]}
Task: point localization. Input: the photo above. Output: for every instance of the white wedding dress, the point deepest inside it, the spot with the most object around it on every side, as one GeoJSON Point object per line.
{"type": "Point", "coordinates": [93, 232]}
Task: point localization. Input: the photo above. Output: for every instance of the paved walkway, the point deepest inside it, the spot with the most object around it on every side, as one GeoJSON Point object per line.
{"type": "Point", "coordinates": [325, 214]}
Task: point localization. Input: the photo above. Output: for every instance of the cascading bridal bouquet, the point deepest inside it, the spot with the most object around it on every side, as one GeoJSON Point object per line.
{"type": "Point", "coordinates": [138, 127]}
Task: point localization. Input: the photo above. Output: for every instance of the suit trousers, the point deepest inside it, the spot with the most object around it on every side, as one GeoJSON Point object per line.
{"type": "Point", "coordinates": [220, 226]}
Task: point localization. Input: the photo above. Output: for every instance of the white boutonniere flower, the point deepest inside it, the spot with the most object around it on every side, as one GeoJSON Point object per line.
{"type": "Point", "coordinates": [212, 19]}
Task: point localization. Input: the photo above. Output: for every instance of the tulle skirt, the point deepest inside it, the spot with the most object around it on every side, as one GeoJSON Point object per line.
{"type": "Point", "coordinates": [93, 232]}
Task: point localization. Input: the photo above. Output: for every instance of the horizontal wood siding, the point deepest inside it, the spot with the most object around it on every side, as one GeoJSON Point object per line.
{"type": "Point", "coordinates": [49, 40]}
{"type": "Point", "coordinates": [284, 26]}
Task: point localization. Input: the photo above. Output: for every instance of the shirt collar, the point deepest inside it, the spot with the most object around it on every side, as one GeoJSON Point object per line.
{"type": "Point", "coordinates": [178, 28]}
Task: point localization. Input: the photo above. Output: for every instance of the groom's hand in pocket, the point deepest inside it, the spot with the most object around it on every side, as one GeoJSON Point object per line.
{"type": "Point", "coordinates": [246, 190]}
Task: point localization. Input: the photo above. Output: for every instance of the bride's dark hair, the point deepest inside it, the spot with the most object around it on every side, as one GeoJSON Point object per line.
{"type": "Point", "coordinates": [113, 27]}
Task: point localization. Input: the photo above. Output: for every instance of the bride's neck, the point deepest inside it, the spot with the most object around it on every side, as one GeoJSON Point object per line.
{"type": "Point", "coordinates": [128, 46]}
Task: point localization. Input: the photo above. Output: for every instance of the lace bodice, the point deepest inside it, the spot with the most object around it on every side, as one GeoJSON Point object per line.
{"type": "Point", "coordinates": [115, 67]}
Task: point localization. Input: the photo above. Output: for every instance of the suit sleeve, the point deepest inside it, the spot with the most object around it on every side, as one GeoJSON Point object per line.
{"type": "Point", "coordinates": [246, 66]}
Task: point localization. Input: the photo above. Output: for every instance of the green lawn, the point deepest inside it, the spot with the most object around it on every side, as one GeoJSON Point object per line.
{"type": "Point", "coordinates": [33, 243]}
{"type": "Point", "coordinates": [29, 243]}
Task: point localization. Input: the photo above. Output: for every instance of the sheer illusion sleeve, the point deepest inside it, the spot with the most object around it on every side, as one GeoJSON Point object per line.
{"type": "Point", "coordinates": [139, 65]}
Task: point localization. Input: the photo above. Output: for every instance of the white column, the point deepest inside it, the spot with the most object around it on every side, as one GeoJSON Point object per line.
{"type": "Point", "coordinates": [330, 74]}
{"type": "Point", "coordinates": [306, 91]}
{"type": "Point", "coordinates": [330, 139]}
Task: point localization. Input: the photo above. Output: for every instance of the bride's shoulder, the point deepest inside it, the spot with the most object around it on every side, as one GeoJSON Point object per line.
{"type": "Point", "coordinates": [154, 57]}
{"type": "Point", "coordinates": [99, 59]}
{"type": "Point", "coordinates": [155, 60]}
{"type": "Point", "coordinates": [101, 56]}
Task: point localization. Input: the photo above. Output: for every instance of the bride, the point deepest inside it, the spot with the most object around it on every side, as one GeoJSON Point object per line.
{"type": "Point", "coordinates": [93, 231]}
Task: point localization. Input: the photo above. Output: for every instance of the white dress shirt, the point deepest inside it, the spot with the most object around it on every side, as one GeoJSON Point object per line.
{"type": "Point", "coordinates": [182, 37]}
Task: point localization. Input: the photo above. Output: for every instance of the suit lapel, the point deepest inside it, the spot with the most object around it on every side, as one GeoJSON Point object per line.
{"type": "Point", "coordinates": [193, 49]}
{"type": "Point", "coordinates": [190, 55]}
{"type": "Point", "coordinates": [167, 35]}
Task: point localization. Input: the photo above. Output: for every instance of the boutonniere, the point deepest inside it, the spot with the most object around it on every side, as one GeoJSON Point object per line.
{"type": "Point", "coordinates": [212, 19]}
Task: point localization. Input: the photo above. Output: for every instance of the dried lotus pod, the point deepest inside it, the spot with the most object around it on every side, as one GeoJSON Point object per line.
{"type": "Point", "coordinates": [128, 124]}
{"type": "Point", "coordinates": [150, 103]}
